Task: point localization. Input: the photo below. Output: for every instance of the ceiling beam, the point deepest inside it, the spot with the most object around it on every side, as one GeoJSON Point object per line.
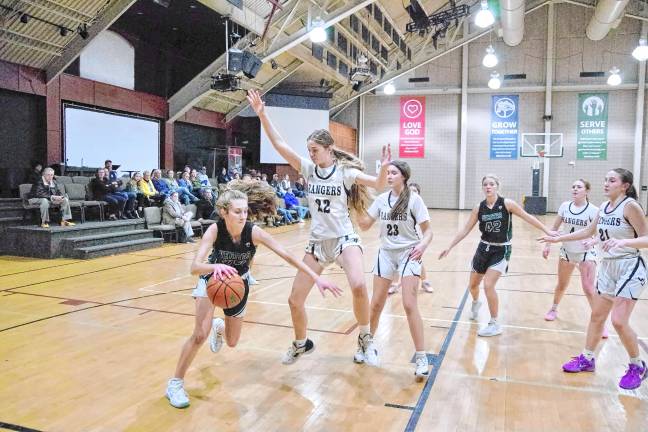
{"type": "Point", "coordinates": [274, 81]}
{"type": "Point", "coordinates": [74, 48]}
{"type": "Point", "coordinates": [467, 38]}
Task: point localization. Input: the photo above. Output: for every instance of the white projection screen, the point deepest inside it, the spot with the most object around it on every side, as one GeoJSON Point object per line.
{"type": "Point", "coordinates": [294, 125]}
{"type": "Point", "coordinates": [92, 136]}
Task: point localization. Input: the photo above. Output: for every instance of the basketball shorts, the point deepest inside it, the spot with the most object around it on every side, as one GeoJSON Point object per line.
{"type": "Point", "coordinates": [390, 261]}
{"type": "Point", "coordinates": [491, 257]}
{"type": "Point", "coordinates": [577, 257]}
{"type": "Point", "coordinates": [237, 311]}
{"type": "Point", "coordinates": [327, 251]}
{"type": "Point", "coordinates": [624, 277]}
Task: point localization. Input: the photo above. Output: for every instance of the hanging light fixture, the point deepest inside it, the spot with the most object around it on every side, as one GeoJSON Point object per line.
{"type": "Point", "coordinates": [389, 88]}
{"type": "Point", "coordinates": [615, 78]}
{"type": "Point", "coordinates": [495, 82]}
{"type": "Point", "coordinates": [641, 52]}
{"type": "Point", "coordinates": [484, 17]}
{"type": "Point", "coordinates": [490, 59]}
{"type": "Point", "coordinates": [317, 33]}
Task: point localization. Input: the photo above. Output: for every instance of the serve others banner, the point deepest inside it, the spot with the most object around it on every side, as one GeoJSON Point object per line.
{"type": "Point", "coordinates": [411, 138]}
{"type": "Point", "coordinates": [591, 138]}
{"type": "Point", "coordinates": [504, 127]}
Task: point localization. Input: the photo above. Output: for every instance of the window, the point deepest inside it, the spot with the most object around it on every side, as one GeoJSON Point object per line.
{"type": "Point", "coordinates": [384, 54]}
{"type": "Point", "coordinates": [343, 68]}
{"type": "Point", "coordinates": [330, 33]}
{"type": "Point", "coordinates": [395, 38]}
{"type": "Point", "coordinates": [342, 43]}
{"type": "Point", "coordinates": [375, 44]}
{"type": "Point", "coordinates": [409, 54]}
{"type": "Point", "coordinates": [354, 23]}
{"type": "Point", "coordinates": [354, 52]}
{"type": "Point", "coordinates": [403, 46]}
{"type": "Point", "coordinates": [318, 51]}
{"type": "Point", "coordinates": [373, 68]}
{"type": "Point", "coordinates": [331, 60]}
{"type": "Point", "coordinates": [378, 16]}
{"type": "Point", "coordinates": [387, 27]}
{"type": "Point", "coordinates": [365, 34]}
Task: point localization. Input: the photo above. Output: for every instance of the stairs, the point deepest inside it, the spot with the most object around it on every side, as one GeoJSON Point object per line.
{"type": "Point", "coordinates": [11, 214]}
{"type": "Point", "coordinates": [111, 243]}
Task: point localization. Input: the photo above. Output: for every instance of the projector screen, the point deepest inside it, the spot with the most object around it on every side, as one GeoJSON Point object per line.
{"type": "Point", "coordinates": [294, 125]}
{"type": "Point", "coordinates": [92, 136]}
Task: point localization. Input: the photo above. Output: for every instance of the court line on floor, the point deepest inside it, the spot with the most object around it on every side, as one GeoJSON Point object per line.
{"type": "Point", "coordinates": [42, 268]}
{"type": "Point", "coordinates": [436, 365]}
{"type": "Point", "coordinates": [17, 428]}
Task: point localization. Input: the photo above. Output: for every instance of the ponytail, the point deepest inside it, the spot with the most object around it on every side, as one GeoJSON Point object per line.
{"type": "Point", "coordinates": [403, 199]}
{"type": "Point", "coordinates": [627, 177]}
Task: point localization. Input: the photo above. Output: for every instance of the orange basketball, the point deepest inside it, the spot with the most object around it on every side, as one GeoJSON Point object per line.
{"type": "Point", "coordinates": [227, 292]}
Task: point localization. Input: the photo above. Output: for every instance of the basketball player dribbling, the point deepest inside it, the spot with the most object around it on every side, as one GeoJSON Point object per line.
{"type": "Point", "coordinates": [232, 242]}
{"type": "Point", "coordinates": [336, 182]}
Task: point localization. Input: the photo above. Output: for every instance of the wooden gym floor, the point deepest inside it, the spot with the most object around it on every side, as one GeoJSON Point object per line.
{"type": "Point", "coordinates": [89, 346]}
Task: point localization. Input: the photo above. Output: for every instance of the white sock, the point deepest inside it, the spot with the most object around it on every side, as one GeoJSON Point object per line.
{"type": "Point", "coordinates": [588, 354]}
{"type": "Point", "coordinates": [421, 354]}
{"type": "Point", "coordinates": [493, 320]}
{"type": "Point", "coordinates": [300, 342]}
{"type": "Point", "coordinates": [636, 361]}
{"type": "Point", "coordinates": [554, 307]}
{"type": "Point", "coordinates": [364, 329]}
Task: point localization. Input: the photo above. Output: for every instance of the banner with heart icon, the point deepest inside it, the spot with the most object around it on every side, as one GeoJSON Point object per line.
{"type": "Point", "coordinates": [412, 127]}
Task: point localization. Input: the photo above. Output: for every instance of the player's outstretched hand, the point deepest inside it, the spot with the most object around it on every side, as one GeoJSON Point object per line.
{"type": "Point", "coordinates": [545, 251]}
{"type": "Point", "coordinates": [417, 252]}
{"type": "Point", "coordinates": [608, 245]}
{"type": "Point", "coordinates": [254, 99]}
{"type": "Point", "coordinates": [385, 157]}
{"type": "Point", "coordinates": [549, 239]}
{"type": "Point", "coordinates": [444, 253]}
{"type": "Point", "coordinates": [223, 271]}
{"type": "Point", "coordinates": [323, 285]}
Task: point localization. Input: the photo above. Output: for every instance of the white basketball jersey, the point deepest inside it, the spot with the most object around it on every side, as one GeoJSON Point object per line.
{"type": "Point", "coordinates": [400, 232]}
{"type": "Point", "coordinates": [613, 225]}
{"type": "Point", "coordinates": [327, 199]}
{"type": "Point", "coordinates": [575, 219]}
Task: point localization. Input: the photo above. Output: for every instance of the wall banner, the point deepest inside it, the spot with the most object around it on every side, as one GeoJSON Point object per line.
{"type": "Point", "coordinates": [411, 137]}
{"type": "Point", "coordinates": [591, 135]}
{"type": "Point", "coordinates": [504, 127]}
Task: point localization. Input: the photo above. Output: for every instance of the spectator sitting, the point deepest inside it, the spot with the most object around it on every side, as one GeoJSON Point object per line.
{"type": "Point", "coordinates": [275, 183]}
{"type": "Point", "coordinates": [224, 177]}
{"type": "Point", "coordinates": [46, 193]}
{"type": "Point", "coordinates": [206, 207]}
{"type": "Point", "coordinates": [146, 186]}
{"type": "Point", "coordinates": [300, 188]}
{"type": "Point", "coordinates": [103, 190]}
{"type": "Point", "coordinates": [187, 168]}
{"type": "Point", "coordinates": [185, 196]}
{"type": "Point", "coordinates": [132, 187]}
{"type": "Point", "coordinates": [195, 182]}
{"type": "Point", "coordinates": [264, 178]}
{"type": "Point", "coordinates": [130, 197]}
{"type": "Point", "coordinates": [185, 182]}
{"type": "Point", "coordinates": [292, 203]}
{"type": "Point", "coordinates": [173, 213]}
{"type": "Point", "coordinates": [286, 217]}
{"type": "Point", "coordinates": [36, 174]}
{"type": "Point", "coordinates": [160, 185]}
{"type": "Point", "coordinates": [203, 177]}
{"type": "Point", "coordinates": [285, 183]}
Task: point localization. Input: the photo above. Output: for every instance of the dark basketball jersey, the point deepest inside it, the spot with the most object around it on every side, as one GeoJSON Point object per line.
{"type": "Point", "coordinates": [237, 255]}
{"type": "Point", "coordinates": [496, 224]}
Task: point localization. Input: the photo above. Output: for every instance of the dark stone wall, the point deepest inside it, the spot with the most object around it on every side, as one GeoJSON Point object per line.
{"type": "Point", "coordinates": [22, 138]}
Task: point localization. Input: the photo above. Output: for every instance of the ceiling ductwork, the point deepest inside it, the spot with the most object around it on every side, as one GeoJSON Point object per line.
{"type": "Point", "coordinates": [512, 21]}
{"type": "Point", "coordinates": [607, 15]}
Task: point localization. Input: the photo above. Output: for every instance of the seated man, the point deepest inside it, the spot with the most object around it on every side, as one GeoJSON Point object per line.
{"type": "Point", "coordinates": [103, 190]}
{"type": "Point", "coordinates": [161, 186]}
{"type": "Point", "coordinates": [300, 187]}
{"type": "Point", "coordinates": [206, 207]}
{"type": "Point", "coordinates": [146, 187]}
{"type": "Point", "coordinates": [47, 194]}
{"type": "Point", "coordinates": [292, 203]}
{"type": "Point", "coordinates": [185, 195]}
{"type": "Point", "coordinates": [203, 177]}
{"type": "Point", "coordinates": [173, 213]}
{"type": "Point", "coordinates": [116, 182]}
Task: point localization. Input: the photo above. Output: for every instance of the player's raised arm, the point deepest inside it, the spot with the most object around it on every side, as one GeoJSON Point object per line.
{"type": "Point", "coordinates": [277, 141]}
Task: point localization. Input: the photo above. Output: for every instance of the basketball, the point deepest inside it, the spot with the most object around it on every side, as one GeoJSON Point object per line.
{"type": "Point", "coordinates": [227, 292]}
